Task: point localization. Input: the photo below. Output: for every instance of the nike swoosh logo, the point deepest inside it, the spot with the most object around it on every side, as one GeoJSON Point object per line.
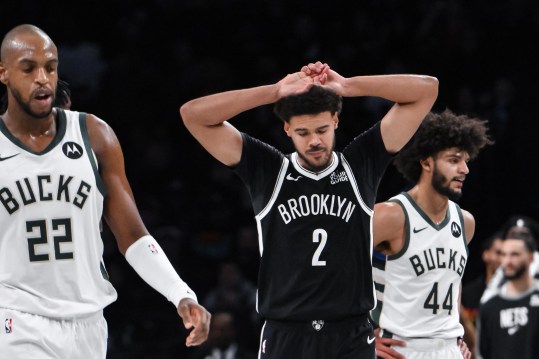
{"type": "Point", "coordinates": [418, 230]}
{"type": "Point", "coordinates": [290, 178]}
{"type": "Point", "coordinates": [8, 157]}
{"type": "Point", "coordinates": [370, 340]}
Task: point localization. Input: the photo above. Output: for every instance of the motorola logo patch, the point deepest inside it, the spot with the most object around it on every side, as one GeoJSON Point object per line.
{"type": "Point", "coordinates": [456, 231]}
{"type": "Point", "coordinates": [72, 150]}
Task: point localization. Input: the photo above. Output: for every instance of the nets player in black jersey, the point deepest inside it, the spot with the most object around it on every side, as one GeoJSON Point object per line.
{"type": "Point", "coordinates": [508, 320]}
{"type": "Point", "coordinates": [313, 207]}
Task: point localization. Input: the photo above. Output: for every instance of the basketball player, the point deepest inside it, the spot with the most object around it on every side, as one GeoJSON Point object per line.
{"type": "Point", "coordinates": [313, 207]}
{"type": "Point", "coordinates": [425, 236]}
{"type": "Point", "coordinates": [508, 324]}
{"type": "Point", "coordinates": [61, 170]}
{"type": "Point", "coordinates": [515, 224]}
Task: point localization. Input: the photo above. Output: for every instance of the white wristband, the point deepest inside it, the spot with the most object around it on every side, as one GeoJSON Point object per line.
{"type": "Point", "coordinates": [151, 263]}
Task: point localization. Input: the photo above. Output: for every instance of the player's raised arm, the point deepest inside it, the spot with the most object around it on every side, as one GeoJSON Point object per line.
{"type": "Point", "coordinates": [414, 96]}
{"type": "Point", "coordinates": [206, 117]}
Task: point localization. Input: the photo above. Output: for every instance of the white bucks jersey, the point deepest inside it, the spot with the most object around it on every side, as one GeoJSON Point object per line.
{"type": "Point", "coordinates": [420, 296]}
{"type": "Point", "coordinates": [51, 204]}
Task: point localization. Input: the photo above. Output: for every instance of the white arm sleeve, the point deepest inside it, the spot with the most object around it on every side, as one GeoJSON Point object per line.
{"type": "Point", "coordinates": [151, 263]}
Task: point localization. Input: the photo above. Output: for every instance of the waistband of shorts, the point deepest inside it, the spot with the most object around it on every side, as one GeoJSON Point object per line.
{"type": "Point", "coordinates": [424, 344]}
{"type": "Point", "coordinates": [319, 325]}
{"type": "Point", "coordinates": [87, 318]}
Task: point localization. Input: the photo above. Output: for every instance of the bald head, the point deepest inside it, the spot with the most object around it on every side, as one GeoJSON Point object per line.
{"type": "Point", "coordinates": [19, 38]}
{"type": "Point", "coordinates": [29, 70]}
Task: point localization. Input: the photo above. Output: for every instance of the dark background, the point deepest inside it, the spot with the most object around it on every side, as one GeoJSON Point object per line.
{"type": "Point", "coordinates": [133, 63]}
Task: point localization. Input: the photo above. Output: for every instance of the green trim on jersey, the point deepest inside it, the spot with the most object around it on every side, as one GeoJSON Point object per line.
{"type": "Point", "coordinates": [461, 217]}
{"type": "Point", "coordinates": [438, 226]}
{"type": "Point", "coordinates": [90, 152]}
{"type": "Point", "coordinates": [406, 230]}
{"type": "Point", "coordinates": [60, 117]}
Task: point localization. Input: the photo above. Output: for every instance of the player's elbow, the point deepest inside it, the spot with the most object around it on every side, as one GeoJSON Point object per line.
{"type": "Point", "coordinates": [185, 113]}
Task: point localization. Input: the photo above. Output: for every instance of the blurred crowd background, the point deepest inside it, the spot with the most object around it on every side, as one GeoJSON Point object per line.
{"type": "Point", "coordinates": [133, 63]}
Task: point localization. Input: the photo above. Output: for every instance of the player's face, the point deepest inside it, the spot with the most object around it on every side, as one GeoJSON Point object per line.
{"type": "Point", "coordinates": [515, 259]}
{"type": "Point", "coordinates": [449, 172]}
{"type": "Point", "coordinates": [314, 139]}
{"type": "Point", "coordinates": [493, 256]}
{"type": "Point", "coordinates": [29, 70]}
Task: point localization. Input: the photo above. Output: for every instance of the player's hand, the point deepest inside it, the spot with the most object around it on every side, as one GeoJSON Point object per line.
{"type": "Point", "coordinates": [383, 347]}
{"type": "Point", "coordinates": [466, 353]}
{"type": "Point", "coordinates": [323, 75]}
{"type": "Point", "coordinates": [295, 83]}
{"type": "Point", "coordinates": [196, 318]}
{"type": "Point", "coordinates": [317, 71]}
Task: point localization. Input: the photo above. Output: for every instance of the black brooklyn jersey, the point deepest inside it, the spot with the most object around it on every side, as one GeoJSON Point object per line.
{"type": "Point", "coordinates": [314, 228]}
{"type": "Point", "coordinates": [509, 326]}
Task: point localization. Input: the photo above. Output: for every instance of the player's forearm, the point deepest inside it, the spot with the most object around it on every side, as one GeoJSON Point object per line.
{"type": "Point", "coordinates": [215, 109]}
{"type": "Point", "coordinates": [401, 89]}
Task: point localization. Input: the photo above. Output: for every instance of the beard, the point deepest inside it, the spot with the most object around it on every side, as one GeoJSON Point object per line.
{"type": "Point", "coordinates": [519, 272]}
{"type": "Point", "coordinates": [318, 167]}
{"type": "Point", "coordinates": [26, 107]}
{"type": "Point", "coordinates": [441, 184]}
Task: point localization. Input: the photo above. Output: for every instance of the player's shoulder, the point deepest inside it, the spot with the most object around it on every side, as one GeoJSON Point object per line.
{"type": "Point", "coordinates": [388, 222]}
{"type": "Point", "coordinates": [389, 210]}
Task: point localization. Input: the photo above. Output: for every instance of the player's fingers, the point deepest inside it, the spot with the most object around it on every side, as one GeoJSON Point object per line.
{"type": "Point", "coordinates": [185, 314]}
{"type": "Point", "coordinates": [201, 326]}
{"type": "Point", "coordinates": [389, 342]}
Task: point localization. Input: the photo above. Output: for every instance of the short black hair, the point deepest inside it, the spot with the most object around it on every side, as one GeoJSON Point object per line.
{"type": "Point", "coordinates": [437, 132]}
{"type": "Point", "coordinates": [530, 225]}
{"type": "Point", "coordinates": [529, 243]}
{"type": "Point", "coordinates": [487, 243]}
{"type": "Point", "coordinates": [316, 100]}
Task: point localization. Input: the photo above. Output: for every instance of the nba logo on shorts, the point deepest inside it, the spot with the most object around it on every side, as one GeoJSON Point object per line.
{"type": "Point", "coordinates": [318, 324]}
{"type": "Point", "coordinates": [7, 325]}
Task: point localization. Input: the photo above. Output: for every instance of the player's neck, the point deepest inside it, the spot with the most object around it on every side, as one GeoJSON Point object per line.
{"type": "Point", "coordinates": [519, 285]}
{"type": "Point", "coordinates": [36, 133]}
{"type": "Point", "coordinates": [19, 122]}
{"type": "Point", "coordinates": [430, 201]}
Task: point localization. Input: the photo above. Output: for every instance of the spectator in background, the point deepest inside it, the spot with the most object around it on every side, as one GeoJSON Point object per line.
{"type": "Point", "coordinates": [236, 295]}
{"type": "Point", "coordinates": [223, 341]}
{"type": "Point", "coordinates": [516, 224]}
{"type": "Point", "coordinates": [508, 320]}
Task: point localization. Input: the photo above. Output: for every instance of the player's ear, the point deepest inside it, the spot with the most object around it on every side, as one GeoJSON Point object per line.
{"type": "Point", "coordinates": [336, 120]}
{"type": "Point", "coordinates": [2, 73]}
{"type": "Point", "coordinates": [427, 164]}
{"type": "Point", "coordinates": [287, 128]}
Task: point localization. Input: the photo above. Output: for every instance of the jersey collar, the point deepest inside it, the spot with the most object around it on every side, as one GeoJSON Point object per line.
{"type": "Point", "coordinates": [311, 174]}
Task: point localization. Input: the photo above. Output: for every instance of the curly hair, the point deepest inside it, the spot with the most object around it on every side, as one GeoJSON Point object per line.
{"type": "Point", "coordinates": [316, 100]}
{"type": "Point", "coordinates": [438, 132]}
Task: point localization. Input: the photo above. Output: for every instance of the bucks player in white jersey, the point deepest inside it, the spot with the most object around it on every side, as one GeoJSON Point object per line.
{"type": "Point", "coordinates": [424, 235]}
{"type": "Point", "coordinates": [313, 207]}
{"type": "Point", "coordinates": [60, 172]}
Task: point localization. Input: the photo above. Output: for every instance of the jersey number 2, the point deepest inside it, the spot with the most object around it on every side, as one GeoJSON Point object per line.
{"type": "Point", "coordinates": [40, 226]}
{"type": "Point", "coordinates": [319, 235]}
